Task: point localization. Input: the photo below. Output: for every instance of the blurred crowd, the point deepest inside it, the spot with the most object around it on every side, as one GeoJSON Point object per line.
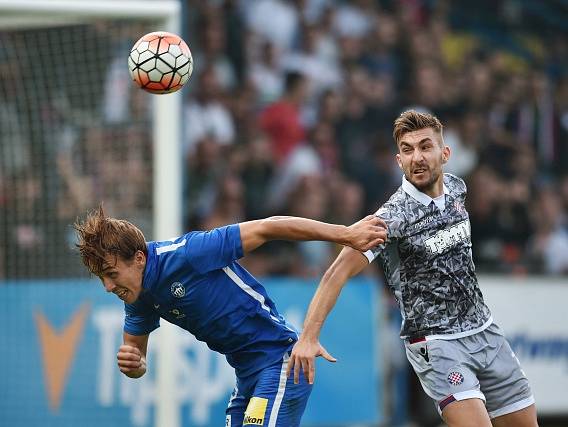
{"type": "Point", "coordinates": [292, 106]}
{"type": "Point", "coordinates": [290, 112]}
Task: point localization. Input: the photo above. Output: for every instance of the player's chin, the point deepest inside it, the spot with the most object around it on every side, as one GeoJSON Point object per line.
{"type": "Point", "coordinates": [420, 180]}
{"type": "Point", "coordinates": [130, 298]}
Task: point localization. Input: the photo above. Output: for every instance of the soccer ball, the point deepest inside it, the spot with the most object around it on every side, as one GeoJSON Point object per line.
{"type": "Point", "coordinates": [160, 62]}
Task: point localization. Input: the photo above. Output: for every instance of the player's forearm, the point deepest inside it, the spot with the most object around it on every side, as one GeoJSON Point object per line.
{"type": "Point", "coordinates": [363, 235]}
{"type": "Point", "coordinates": [322, 303]}
{"type": "Point", "coordinates": [295, 228]}
{"type": "Point", "coordinates": [348, 264]}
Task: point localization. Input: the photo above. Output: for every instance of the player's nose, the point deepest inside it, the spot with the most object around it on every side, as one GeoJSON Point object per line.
{"type": "Point", "coordinates": [417, 156]}
{"type": "Point", "coordinates": [109, 285]}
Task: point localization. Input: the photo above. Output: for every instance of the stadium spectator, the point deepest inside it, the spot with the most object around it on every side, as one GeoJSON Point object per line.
{"type": "Point", "coordinates": [15, 155]}
{"type": "Point", "coordinates": [266, 75]}
{"type": "Point", "coordinates": [213, 56]}
{"type": "Point", "coordinates": [282, 122]}
{"type": "Point", "coordinates": [549, 246]}
{"type": "Point", "coordinates": [256, 174]}
{"type": "Point", "coordinates": [276, 21]}
{"type": "Point", "coordinates": [313, 61]}
{"type": "Point", "coordinates": [204, 169]}
{"type": "Point", "coordinates": [28, 237]}
{"type": "Point", "coordinates": [206, 115]}
{"type": "Point", "coordinates": [228, 207]}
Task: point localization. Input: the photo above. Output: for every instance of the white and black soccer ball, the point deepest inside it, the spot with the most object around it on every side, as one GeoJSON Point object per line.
{"type": "Point", "coordinates": [160, 62]}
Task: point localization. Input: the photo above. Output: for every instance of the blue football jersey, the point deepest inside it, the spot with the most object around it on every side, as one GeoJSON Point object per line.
{"type": "Point", "coordinates": [195, 282]}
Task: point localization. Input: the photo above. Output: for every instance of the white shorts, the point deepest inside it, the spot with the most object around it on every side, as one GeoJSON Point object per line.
{"type": "Point", "coordinates": [480, 366]}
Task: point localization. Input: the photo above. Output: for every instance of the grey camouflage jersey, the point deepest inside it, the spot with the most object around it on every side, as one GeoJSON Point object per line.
{"type": "Point", "coordinates": [428, 264]}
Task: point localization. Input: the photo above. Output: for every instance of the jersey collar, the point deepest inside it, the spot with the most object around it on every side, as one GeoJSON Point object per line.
{"type": "Point", "coordinates": [418, 195]}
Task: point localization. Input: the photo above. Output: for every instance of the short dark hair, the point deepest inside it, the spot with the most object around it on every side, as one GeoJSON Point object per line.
{"type": "Point", "coordinates": [100, 235]}
{"type": "Point", "coordinates": [412, 120]}
{"type": "Point", "coordinates": [292, 80]}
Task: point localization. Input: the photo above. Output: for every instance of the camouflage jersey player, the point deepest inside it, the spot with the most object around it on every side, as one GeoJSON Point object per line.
{"type": "Point", "coordinates": [428, 265]}
{"type": "Point", "coordinates": [460, 356]}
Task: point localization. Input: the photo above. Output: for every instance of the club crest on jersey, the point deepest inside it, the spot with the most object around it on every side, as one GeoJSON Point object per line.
{"type": "Point", "coordinates": [178, 290]}
{"type": "Point", "coordinates": [455, 378]}
{"type": "Point", "coordinates": [458, 205]}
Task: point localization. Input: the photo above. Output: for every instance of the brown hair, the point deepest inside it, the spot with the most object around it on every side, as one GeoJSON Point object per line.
{"type": "Point", "coordinates": [412, 120]}
{"type": "Point", "coordinates": [100, 235]}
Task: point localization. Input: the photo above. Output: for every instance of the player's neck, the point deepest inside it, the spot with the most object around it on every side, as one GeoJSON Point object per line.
{"type": "Point", "coordinates": [436, 189]}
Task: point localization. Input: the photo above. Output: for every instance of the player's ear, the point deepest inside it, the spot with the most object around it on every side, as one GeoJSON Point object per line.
{"type": "Point", "coordinates": [399, 161]}
{"type": "Point", "coordinates": [446, 152]}
{"type": "Point", "coordinates": [140, 258]}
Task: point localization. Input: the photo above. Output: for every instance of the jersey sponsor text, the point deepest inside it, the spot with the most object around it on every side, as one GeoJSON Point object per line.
{"type": "Point", "coordinates": [255, 412]}
{"type": "Point", "coordinates": [445, 239]}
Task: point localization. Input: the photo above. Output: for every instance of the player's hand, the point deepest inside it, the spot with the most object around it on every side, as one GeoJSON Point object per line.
{"type": "Point", "coordinates": [367, 233]}
{"type": "Point", "coordinates": [131, 361]}
{"type": "Point", "coordinates": [303, 358]}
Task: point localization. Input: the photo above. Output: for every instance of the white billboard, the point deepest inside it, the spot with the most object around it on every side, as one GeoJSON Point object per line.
{"type": "Point", "coordinates": [533, 312]}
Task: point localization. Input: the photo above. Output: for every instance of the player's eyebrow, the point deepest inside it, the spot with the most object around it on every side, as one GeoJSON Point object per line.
{"type": "Point", "coordinates": [408, 144]}
{"type": "Point", "coordinates": [107, 268]}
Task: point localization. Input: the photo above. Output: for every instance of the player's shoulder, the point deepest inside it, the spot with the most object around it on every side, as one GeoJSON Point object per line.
{"type": "Point", "coordinates": [394, 207]}
{"type": "Point", "coordinates": [169, 245]}
{"type": "Point", "coordinates": [166, 260]}
{"type": "Point", "coordinates": [454, 183]}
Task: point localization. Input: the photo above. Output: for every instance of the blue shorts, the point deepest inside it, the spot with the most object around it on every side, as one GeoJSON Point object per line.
{"type": "Point", "coordinates": [268, 399]}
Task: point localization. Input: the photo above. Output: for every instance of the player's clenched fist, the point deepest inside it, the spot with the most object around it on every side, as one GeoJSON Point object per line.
{"type": "Point", "coordinates": [131, 361]}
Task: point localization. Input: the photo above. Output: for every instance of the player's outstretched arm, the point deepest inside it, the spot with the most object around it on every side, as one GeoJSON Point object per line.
{"type": "Point", "coordinates": [363, 235]}
{"type": "Point", "coordinates": [348, 263]}
{"type": "Point", "coordinates": [131, 355]}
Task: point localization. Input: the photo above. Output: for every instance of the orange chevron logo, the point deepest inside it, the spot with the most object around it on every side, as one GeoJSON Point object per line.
{"type": "Point", "coordinates": [58, 352]}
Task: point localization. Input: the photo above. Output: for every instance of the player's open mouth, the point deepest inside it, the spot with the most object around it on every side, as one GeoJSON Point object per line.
{"type": "Point", "coordinates": [419, 171]}
{"type": "Point", "coordinates": [122, 293]}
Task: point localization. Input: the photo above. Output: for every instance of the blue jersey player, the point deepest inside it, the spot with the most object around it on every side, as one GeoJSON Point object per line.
{"type": "Point", "coordinates": [196, 282]}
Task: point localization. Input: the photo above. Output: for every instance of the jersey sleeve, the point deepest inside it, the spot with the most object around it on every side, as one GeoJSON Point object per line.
{"type": "Point", "coordinates": [463, 187]}
{"type": "Point", "coordinates": [394, 223]}
{"type": "Point", "coordinates": [210, 250]}
{"type": "Point", "coordinates": [457, 184]}
{"type": "Point", "coordinates": [140, 318]}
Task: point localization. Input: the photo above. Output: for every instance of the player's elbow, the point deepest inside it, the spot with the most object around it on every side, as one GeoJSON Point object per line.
{"type": "Point", "coordinates": [349, 263]}
{"type": "Point", "coordinates": [265, 229]}
{"type": "Point", "coordinates": [270, 228]}
{"type": "Point", "coordinates": [254, 234]}
{"type": "Point", "coordinates": [276, 218]}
